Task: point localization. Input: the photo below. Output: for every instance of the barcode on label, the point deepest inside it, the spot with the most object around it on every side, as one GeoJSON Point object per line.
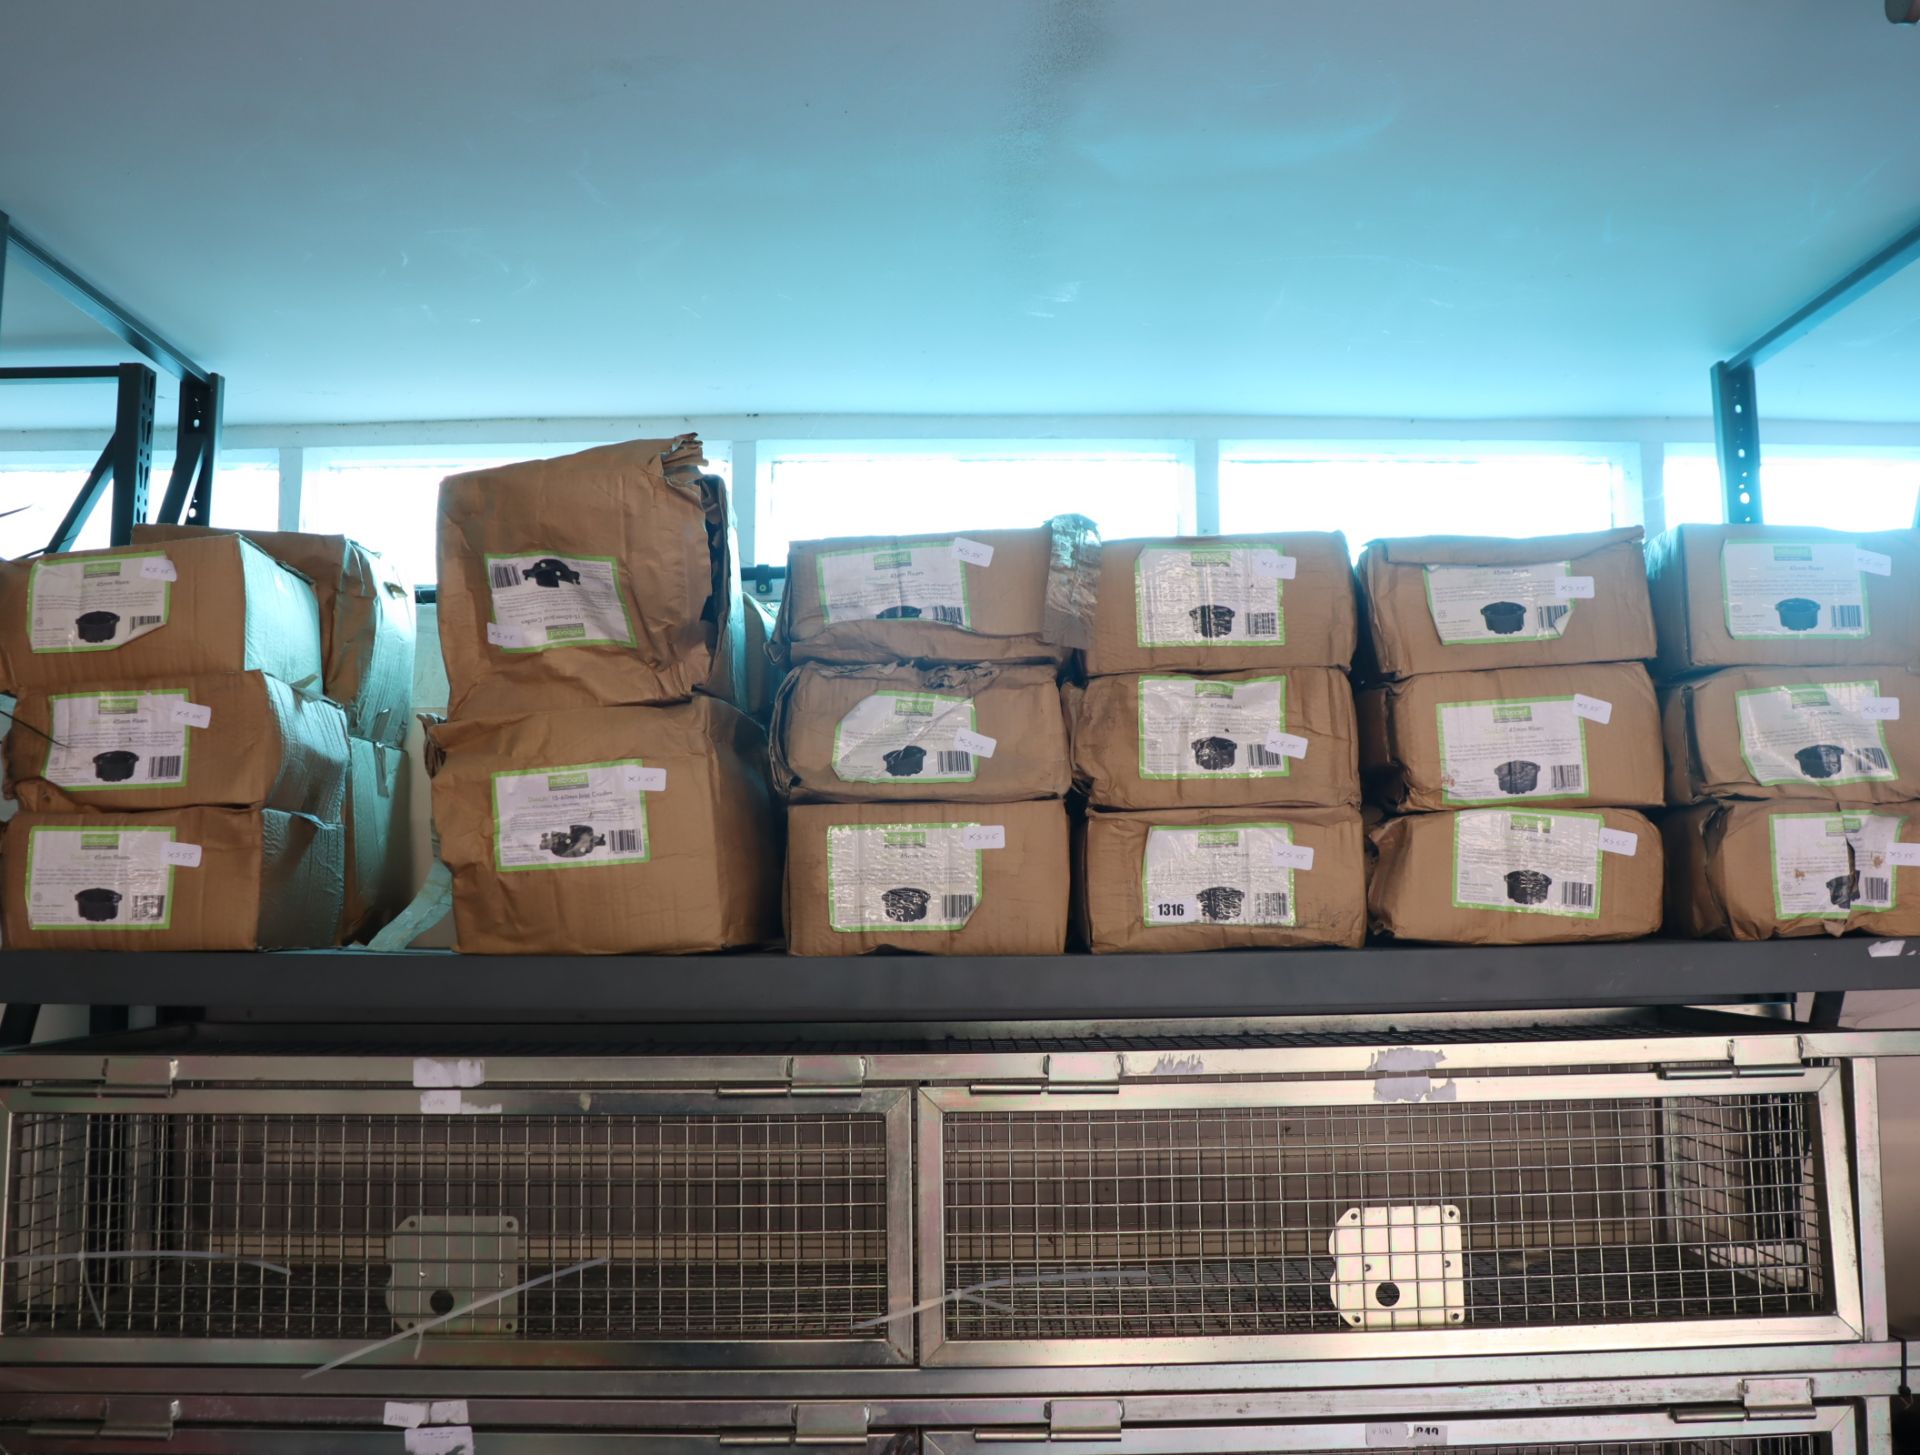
{"type": "Point", "coordinates": [1566, 776]}
{"type": "Point", "coordinates": [950, 615]}
{"type": "Point", "coordinates": [623, 841]}
{"type": "Point", "coordinates": [1262, 623]}
{"type": "Point", "coordinates": [148, 906]}
{"type": "Point", "coordinates": [956, 906]}
{"type": "Point", "coordinates": [168, 767]}
{"type": "Point", "coordinates": [140, 621]}
{"type": "Point", "coordinates": [1258, 755]}
{"type": "Point", "coordinates": [1845, 618]}
{"type": "Point", "coordinates": [1550, 617]}
{"type": "Point", "coordinates": [505, 576]}
{"type": "Point", "coordinates": [1875, 888]}
{"type": "Point", "coordinates": [1874, 760]}
{"type": "Point", "coordinates": [1575, 895]}
{"type": "Point", "coordinates": [951, 762]}
{"type": "Point", "coordinates": [1270, 906]}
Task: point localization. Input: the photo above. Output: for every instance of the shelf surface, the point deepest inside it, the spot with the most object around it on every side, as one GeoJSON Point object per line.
{"type": "Point", "coordinates": [769, 988]}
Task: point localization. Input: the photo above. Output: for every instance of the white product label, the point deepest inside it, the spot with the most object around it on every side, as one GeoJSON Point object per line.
{"type": "Point", "coordinates": [1498, 603]}
{"type": "Point", "coordinates": [192, 714]}
{"type": "Point", "coordinates": [1209, 727]}
{"type": "Point", "coordinates": [544, 601]}
{"type": "Point", "coordinates": [904, 876]}
{"type": "Point", "coordinates": [1397, 1436]}
{"type": "Point", "coordinates": [979, 744]}
{"type": "Point", "coordinates": [1619, 841]}
{"type": "Point", "coordinates": [1830, 865]}
{"type": "Point", "coordinates": [158, 568]}
{"type": "Point", "coordinates": [182, 856]}
{"type": "Point", "coordinates": [974, 553]}
{"type": "Point", "coordinates": [985, 836]}
{"type": "Point", "coordinates": [568, 816]}
{"type": "Point", "coordinates": [130, 739]}
{"type": "Point", "coordinates": [906, 738]}
{"type": "Point", "coordinates": [430, 1071]}
{"type": "Point", "coordinates": [449, 1412]}
{"type": "Point", "coordinates": [1786, 589]}
{"type": "Point", "coordinates": [910, 581]}
{"type": "Point", "coordinates": [405, 1416]}
{"type": "Point", "coordinates": [1293, 856]}
{"type": "Point", "coordinates": [1527, 863]}
{"type": "Point", "coordinates": [94, 604]}
{"type": "Point", "coordinates": [647, 780]}
{"type": "Point", "coordinates": [1272, 563]}
{"type": "Point", "coordinates": [1286, 745]}
{"type": "Point", "coordinates": [1593, 709]}
{"type": "Point", "coordinates": [1492, 752]}
{"type": "Point", "coordinates": [1209, 596]}
{"type": "Point", "coordinates": [1903, 854]}
{"type": "Point", "coordinates": [1820, 733]}
{"type": "Point", "coordinates": [1882, 709]}
{"type": "Point", "coordinates": [439, 1440]}
{"type": "Point", "coordinates": [1574, 588]}
{"type": "Point", "coordinates": [1229, 874]}
{"type": "Point", "coordinates": [105, 878]}
{"type": "Point", "coordinates": [1873, 563]}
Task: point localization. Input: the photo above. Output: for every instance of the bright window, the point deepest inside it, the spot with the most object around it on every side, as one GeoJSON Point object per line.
{"type": "Point", "coordinates": [864, 488]}
{"type": "Point", "coordinates": [40, 488]}
{"type": "Point", "coordinates": [1866, 489]}
{"type": "Point", "coordinates": [1367, 491]}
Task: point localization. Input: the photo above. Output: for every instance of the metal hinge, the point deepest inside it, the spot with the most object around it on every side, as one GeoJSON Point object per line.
{"type": "Point", "coordinates": [811, 1424]}
{"type": "Point", "coordinates": [1078, 1071]}
{"type": "Point", "coordinates": [121, 1419]}
{"type": "Point", "coordinates": [812, 1076]}
{"type": "Point", "coordinates": [1760, 1399]}
{"type": "Point", "coordinates": [1749, 1056]}
{"type": "Point", "coordinates": [119, 1076]}
{"type": "Point", "coordinates": [1067, 1419]}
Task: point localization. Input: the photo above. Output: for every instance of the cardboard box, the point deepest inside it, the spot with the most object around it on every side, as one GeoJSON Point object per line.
{"type": "Point", "coordinates": [614, 830]}
{"type": "Point", "coordinates": [1231, 739]}
{"type": "Point", "coordinates": [1791, 868]}
{"type": "Point", "coordinates": [901, 732]}
{"type": "Point", "coordinates": [131, 881]}
{"type": "Point", "coordinates": [911, 876]}
{"type": "Point", "coordinates": [1784, 596]}
{"type": "Point", "coordinates": [1206, 604]}
{"type": "Point", "coordinates": [1572, 736]}
{"type": "Point", "coordinates": [1504, 876]}
{"type": "Point", "coordinates": [1794, 732]}
{"type": "Point", "coordinates": [1222, 879]}
{"type": "Point", "coordinates": [1468, 603]}
{"type": "Point", "coordinates": [596, 579]}
{"type": "Point", "coordinates": [366, 621]}
{"type": "Point", "coordinates": [378, 872]}
{"type": "Point", "coordinates": [145, 614]}
{"type": "Point", "coordinates": [984, 596]}
{"type": "Point", "coordinates": [231, 739]}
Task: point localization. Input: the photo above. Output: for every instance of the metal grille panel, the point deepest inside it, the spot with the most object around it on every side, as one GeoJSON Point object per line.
{"type": "Point", "coordinates": [283, 1226]}
{"type": "Point", "coordinates": [1158, 1222]}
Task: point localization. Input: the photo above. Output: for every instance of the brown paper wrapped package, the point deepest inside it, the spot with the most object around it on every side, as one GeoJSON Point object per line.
{"type": "Point", "coordinates": [1684, 568]}
{"type": "Point", "coordinates": [665, 526]}
{"type": "Point", "coordinates": [1108, 748]}
{"type": "Point", "coordinates": [1400, 739]}
{"type": "Point", "coordinates": [1022, 909]}
{"type": "Point", "coordinates": [712, 877]}
{"type": "Point", "coordinates": [1410, 894]}
{"type": "Point", "coordinates": [1016, 705]}
{"type": "Point", "coordinates": [264, 746]}
{"type": "Point", "coordinates": [1615, 625]}
{"type": "Point", "coordinates": [366, 620]}
{"type": "Point", "coordinates": [233, 608]}
{"type": "Point", "coordinates": [1330, 899]}
{"type": "Point", "coordinates": [1721, 866]}
{"type": "Point", "coordinates": [265, 881]}
{"type": "Point", "coordinates": [1317, 609]}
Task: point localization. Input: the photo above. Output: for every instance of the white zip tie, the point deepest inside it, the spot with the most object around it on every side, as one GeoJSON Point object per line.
{"type": "Point", "coordinates": [1090, 1275]}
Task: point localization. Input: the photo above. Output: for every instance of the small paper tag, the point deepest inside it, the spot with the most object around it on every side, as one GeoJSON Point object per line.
{"type": "Point", "coordinates": [979, 744]}
{"type": "Point", "coordinates": [405, 1416]}
{"type": "Point", "coordinates": [1594, 709]}
{"type": "Point", "coordinates": [440, 1440]}
{"type": "Point", "coordinates": [186, 856]}
{"type": "Point", "coordinates": [440, 1103]}
{"type": "Point", "coordinates": [1619, 841]}
{"type": "Point", "coordinates": [1405, 1437]}
{"type": "Point", "coordinates": [159, 568]}
{"type": "Point", "coordinates": [504, 636]}
{"type": "Point", "coordinates": [974, 553]}
{"type": "Point", "coordinates": [1886, 949]}
{"type": "Point", "coordinates": [984, 836]}
{"type": "Point", "coordinates": [1293, 856]}
{"type": "Point", "coordinates": [646, 780]}
{"type": "Point", "coordinates": [1286, 745]}
{"type": "Point", "coordinates": [1887, 709]}
{"type": "Point", "coordinates": [194, 715]}
{"type": "Point", "coordinates": [1274, 566]}
{"type": "Point", "coordinates": [430, 1072]}
{"type": "Point", "coordinates": [1873, 563]}
{"type": "Point", "coordinates": [1903, 854]}
{"type": "Point", "coordinates": [1573, 588]}
{"type": "Point", "coordinates": [449, 1412]}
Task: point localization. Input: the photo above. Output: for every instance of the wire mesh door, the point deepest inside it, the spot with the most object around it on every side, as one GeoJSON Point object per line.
{"type": "Point", "coordinates": [754, 1231]}
{"type": "Point", "coordinates": [1559, 1213]}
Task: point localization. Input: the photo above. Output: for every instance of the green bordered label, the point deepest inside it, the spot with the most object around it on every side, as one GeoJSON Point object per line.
{"type": "Point", "coordinates": [1833, 865]}
{"type": "Point", "coordinates": [1226, 874]}
{"type": "Point", "coordinates": [1528, 862]}
{"type": "Point", "coordinates": [1474, 605]}
{"type": "Point", "coordinates": [106, 878]}
{"type": "Point", "coordinates": [906, 738]}
{"type": "Point", "coordinates": [543, 601]}
{"type": "Point", "coordinates": [1818, 734]}
{"type": "Point", "coordinates": [97, 603]}
{"type": "Point", "coordinates": [1216, 594]}
{"type": "Point", "coordinates": [902, 877]}
{"type": "Point", "coordinates": [1522, 747]}
{"type": "Point", "coordinates": [913, 581]}
{"type": "Point", "coordinates": [1211, 727]}
{"type": "Point", "coordinates": [1796, 590]}
{"type": "Point", "coordinates": [571, 816]}
{"type": "Point", "coordinates": [118, 740]}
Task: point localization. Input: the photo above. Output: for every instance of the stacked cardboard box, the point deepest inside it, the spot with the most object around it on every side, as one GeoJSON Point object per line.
{"type": "Point", "coordinates": [593, 794]}
{"type": "Point", "coordinates": [1214, 742]}
{"type": "Point", "coordinates": [1787, 654]}
{"type": "Point", "coordinates": [920, 742]}
{"type": "Point", "coordinates": [181, 779]}
{"type": "Point", "coordinates": [1514, 733]}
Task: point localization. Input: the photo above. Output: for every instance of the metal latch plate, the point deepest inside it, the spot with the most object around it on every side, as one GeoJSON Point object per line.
{"type": "Point", "coordinates": [438, 1264]}
{"type": "Point", "coordinates": [1084, 1419]}
{"type": "Point", "coordinates": [1399, 1266]}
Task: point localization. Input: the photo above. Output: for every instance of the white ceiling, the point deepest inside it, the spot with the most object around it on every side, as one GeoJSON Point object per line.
{"type": "Point", "coordinates": [361, 210]}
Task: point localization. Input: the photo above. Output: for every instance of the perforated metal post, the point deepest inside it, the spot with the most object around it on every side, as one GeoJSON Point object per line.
{"type": "Point", "coordinates": [132, 450]}
{"type": "Point", "coordinates": [1736, 437]}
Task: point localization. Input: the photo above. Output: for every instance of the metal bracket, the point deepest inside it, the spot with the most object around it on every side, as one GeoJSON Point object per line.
{"type": "Point", "coordinates": [1756, 1056]}
{"type": "Point", "coordinates": [811, 1424]}
{"type": "Point", "coordinates": [196, 447]}
{"type": "Point", "coordinates": [1736, 438]}
{"type": "Point", "coordinates": [811, 1076]}
{"type": "Point", "coordinates": [119, 1076]}
{"type": "Point", "coordinates": [1760, 1399]}
{"type": "Point", "coordinates": [1067, 1419]}
{"type": "Point", "coordinates": [120, 1419]}
{"type": "Point", "coordinates": [1069, 1071]}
